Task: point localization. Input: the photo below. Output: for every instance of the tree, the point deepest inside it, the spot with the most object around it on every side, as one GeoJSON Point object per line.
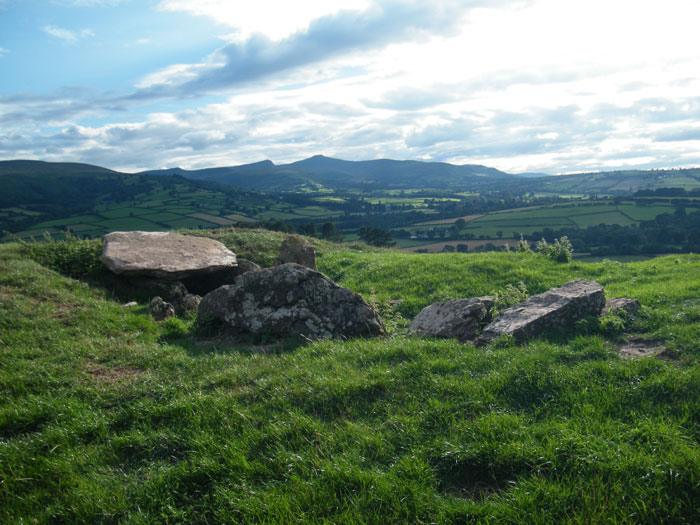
{"type": "Point", "coordinates": [376, 236]}
{"type": "Point", "coordinates": [330, 232]}
{"type": "Point", "coordinates": [307, 228]}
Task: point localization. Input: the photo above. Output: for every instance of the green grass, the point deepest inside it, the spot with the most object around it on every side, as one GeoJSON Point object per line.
{"type": "Point", "coordinates": [109, 417]}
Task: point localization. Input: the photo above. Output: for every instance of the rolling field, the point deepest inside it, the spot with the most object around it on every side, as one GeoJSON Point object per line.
{"type": "Point", "coordinates": [511, 223]}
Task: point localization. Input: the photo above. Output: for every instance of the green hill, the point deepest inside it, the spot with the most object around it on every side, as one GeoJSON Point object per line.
{"type": "Point", "coordinates": [109, 417]}
{"type": "Point", "coordinates": [88, 200]}
{"type": "Point", "coordinates": [342, 174]}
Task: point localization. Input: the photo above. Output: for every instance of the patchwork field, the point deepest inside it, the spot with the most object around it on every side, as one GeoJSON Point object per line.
{"type": "Point", "coordinates": [509, 224]}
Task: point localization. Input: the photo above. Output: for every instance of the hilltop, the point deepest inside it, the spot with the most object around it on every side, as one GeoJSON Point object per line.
{"type": "Point", "coordinates": [342, 174]}
{"type": "Point", "coordinates": [109, 416]}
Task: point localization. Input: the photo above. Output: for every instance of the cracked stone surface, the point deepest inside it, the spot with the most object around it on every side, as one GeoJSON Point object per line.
{"type": "Point", "coordinates": [559, 307]}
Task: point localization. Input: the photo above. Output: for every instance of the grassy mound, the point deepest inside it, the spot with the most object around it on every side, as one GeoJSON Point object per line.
{"type": "Point", "coordinates": [110, 417]}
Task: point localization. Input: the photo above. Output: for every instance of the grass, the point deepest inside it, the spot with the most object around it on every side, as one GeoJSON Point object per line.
{"type": "Point", "coordinates": [110, 417]}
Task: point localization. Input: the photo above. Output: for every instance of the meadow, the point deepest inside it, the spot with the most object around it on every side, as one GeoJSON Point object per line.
{"type": "Point", "coordinates": [509, 224]}
{"type": "Point", "coordinates": [110, 417]}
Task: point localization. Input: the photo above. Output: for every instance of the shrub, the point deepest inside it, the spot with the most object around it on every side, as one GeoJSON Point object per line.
{"type": "Point", "coordinates": [509, 296]}
{"type": "Point", "coordinates": [72, 256]}
{"type": "Point", "coordinates": [612, 324]}
{"type": "Point", "coordinates": [523, 246]}
{"type": "Point", "coordinates": [560, 251]}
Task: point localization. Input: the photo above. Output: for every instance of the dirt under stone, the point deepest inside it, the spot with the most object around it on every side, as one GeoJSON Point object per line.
{"type": "Point", "coordinates": [643, 348]}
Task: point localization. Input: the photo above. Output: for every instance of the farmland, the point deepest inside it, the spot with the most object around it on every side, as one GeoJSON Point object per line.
{"type": "Point", "coordinates": [510, 224]}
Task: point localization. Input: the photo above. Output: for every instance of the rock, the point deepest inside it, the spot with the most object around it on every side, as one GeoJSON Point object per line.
{"type": "Point", "coordinates": [130, 304]}
{"type": "Point", "coordinates": [245, 266]}
{"type": "Point", "coordinates": [190, 302]}
{"type": "Point", "coordinates": [643, 348]}
{"type": "Point", "coordinates": [290, 300]}
{"type": "Point", "coordinates": [163, 255]}
{"type": "Point", "coordinates": [621, 305]}
{"type": "Point", "coordinates": [294, 249]}
{"type": "Point", "coordinates": [460, 319]}
{"type": "Point", "coordinates": [202, 284]}
{"type": "Point", "coordinates": [160, 310]}
{"type": "Point", "coordinates": [555, 308]}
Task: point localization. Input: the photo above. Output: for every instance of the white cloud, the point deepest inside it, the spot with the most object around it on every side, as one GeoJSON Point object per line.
{"type": "Point", "coordinates": [88, 3]}
{"type": "Point", "coordinates": [272, 18]}
{"type": "Point", "coordinates": [63, 34]}
{"type": "Point", "coordinates": [4, 52]}
{"type": "Point", "coordinates": [67, 35]}
{"type": "Point", "coordinates": [539, 85]}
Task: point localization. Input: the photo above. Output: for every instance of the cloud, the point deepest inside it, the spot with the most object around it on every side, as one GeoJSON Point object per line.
{"type": "Point", "coordinates": [88, 3]}
{"type": "Point", "coordinates": [680, 134]}
{"type": "Point", "coordinates": [4, 52]}
{"type": "Point", "coordinates": [273, 18]}
{"type": "Point", "coordinates": [412, 98]}
{"type": "Point", "coordinates": [60, 108]}
{"type": "Point", "coordinates": [331, 36]}
{"type": "Point", "coordinates": [67, 35]}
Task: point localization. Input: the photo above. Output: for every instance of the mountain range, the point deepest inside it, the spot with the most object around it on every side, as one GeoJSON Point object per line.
{"type": "Point", "coordinates": [338, 174]}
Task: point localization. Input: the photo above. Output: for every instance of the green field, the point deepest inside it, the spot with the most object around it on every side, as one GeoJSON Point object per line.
{"type": "Point", "coordinates": [160, 210]}
{"type": "Point", "coordinates": [577, 214]}
{"type": "Point", "coordinates": [109, 417]}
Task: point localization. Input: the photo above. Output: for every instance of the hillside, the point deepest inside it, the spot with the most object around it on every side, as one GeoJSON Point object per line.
{"type": "Point", "coordinates": [342, 174]}
{"type": "Point", "coordinates": [48, 197]}
{"type": "Point", "coordinates": [108, 416]}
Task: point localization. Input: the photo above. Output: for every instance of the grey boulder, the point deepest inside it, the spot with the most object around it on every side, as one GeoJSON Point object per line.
{"type": "Point", "coordinates": [160, 310]}
{"type": "Point", "coordinates": [621, 305]}
{"type": "Point", "coordinates": [290, 300]}
{"type": "Point", "coordinates": [294, 249]}
{"type": "Point", "coordinates": [164, 255]}
{"type": "Point", "coordinates": [558, 307]}
{"type": "Point", "coordinates": [461, 318]}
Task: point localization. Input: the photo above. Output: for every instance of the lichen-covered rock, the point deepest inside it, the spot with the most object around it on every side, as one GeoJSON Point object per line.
{"type": "Point", "coordinates": [460, 319]}
{"type": "Point", "coordinates": [291, 300]}
{"type": "Point", "coordinates": [160, 310]}
{"type": "Point", "coordinates": [163, 255]}
{"type": "Point", "coordinates": [294, 249]}
{"type": "Point", "coordinates": [559, 307]}
{"type": "Point", "coordinates": [622, 305]}
{"type": "Point", "coordinates": [190, 302]}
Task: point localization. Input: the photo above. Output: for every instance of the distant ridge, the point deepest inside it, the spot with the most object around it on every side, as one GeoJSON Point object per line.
{"type": "Point", "coordinates": [337, 173]}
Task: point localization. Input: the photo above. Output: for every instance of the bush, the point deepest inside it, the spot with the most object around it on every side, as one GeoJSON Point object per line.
{"type": "Point", "coordinates": [560, 251]}
{"type": "Point", "coordinates": [509, 296]}
{"type": "Point", "coordinates": [523, 246]}
{"type": "Point", "coordinates": [612, 325]}
{"type": "Point", "coordinates": [72, 256]}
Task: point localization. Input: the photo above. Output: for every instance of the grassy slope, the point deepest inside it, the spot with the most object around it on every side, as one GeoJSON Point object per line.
{"type": "Point", "coordinates": [110, 417]}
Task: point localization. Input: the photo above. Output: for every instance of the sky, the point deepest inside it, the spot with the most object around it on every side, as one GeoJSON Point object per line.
{"type": "Point", "coordinates": [550, 86]}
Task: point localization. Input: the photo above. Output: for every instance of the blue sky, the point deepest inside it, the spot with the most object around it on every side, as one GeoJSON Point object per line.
{"type": "Point", "coordinates": [521, 85]}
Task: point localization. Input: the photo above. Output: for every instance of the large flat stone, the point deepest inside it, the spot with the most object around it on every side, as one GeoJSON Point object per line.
{"type": "Point", "coordinates": [560, 307]}
{"type": "Point", "coordinates": [164, 255]}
